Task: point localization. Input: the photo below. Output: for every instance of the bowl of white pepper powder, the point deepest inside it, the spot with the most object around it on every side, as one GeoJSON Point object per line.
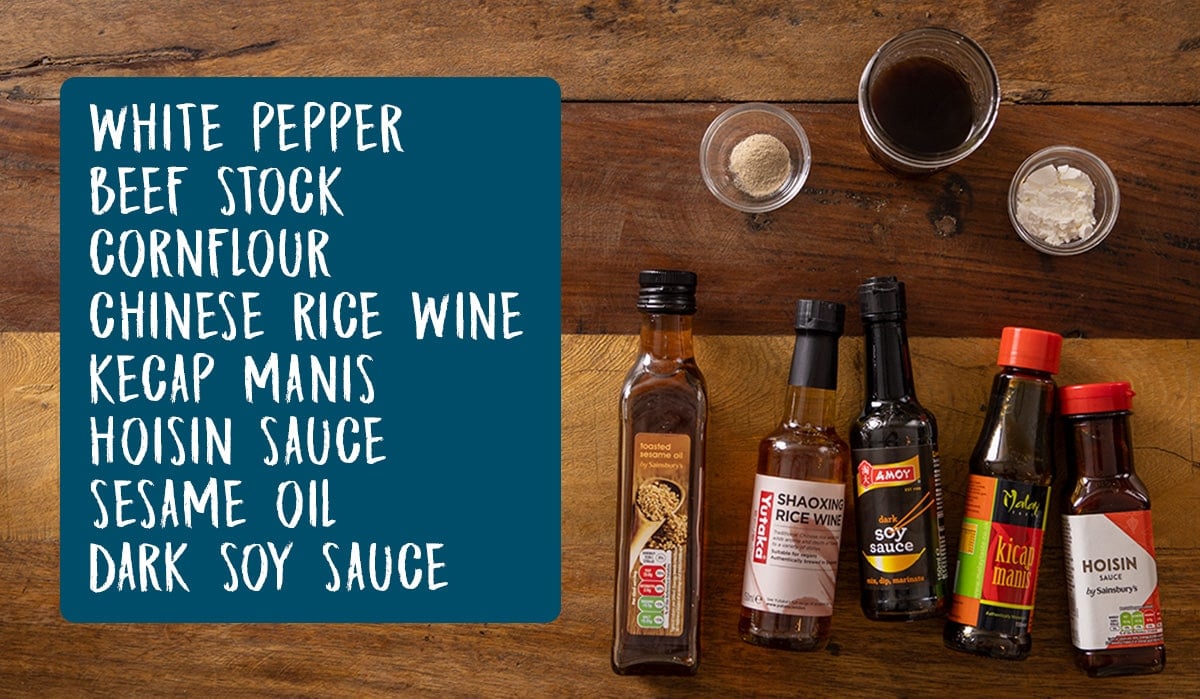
{"type": "Point", "coordinates": [1063, 200]}
{"type": "Point", "coordinates": [755, 157]}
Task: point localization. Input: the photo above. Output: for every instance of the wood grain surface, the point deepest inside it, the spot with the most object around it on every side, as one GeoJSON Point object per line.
{"type": "Point", "coordinates": [640, 82]}
{"type": "Point", "coordinates": [1066, 51]}
{"type": "Point", "coordinates": [634, 199]}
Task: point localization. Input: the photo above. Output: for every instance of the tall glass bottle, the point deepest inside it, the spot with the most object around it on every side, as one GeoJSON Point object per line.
{"type": "Point", "coordinates": [663, 409]}
{"type": "Point", "coordinates": [1008, 499]}
{"type": "Point", "coordinates": [897, 482]}
{"type": "Point", "coordinates": [1108, 538]}
{"type": "Point", "coordinates": [799, 498]}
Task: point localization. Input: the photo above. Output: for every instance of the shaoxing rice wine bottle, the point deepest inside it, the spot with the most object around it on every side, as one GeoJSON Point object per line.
{"type": "Point", "coordinates": [799, 499]}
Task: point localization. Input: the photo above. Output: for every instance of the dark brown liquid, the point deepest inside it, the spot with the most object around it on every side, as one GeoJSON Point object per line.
{"type": "Point", "coordinates": [1015, 444]}
{"type": "Point", "coordinates": [923, 105]}
{"type": "Point", "coordinates": [666, 396]}
{"type": "Point", "coordinates": [1102, 452]}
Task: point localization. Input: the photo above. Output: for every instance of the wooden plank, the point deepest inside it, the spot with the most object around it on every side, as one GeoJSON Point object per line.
{"type": "Point", "coordinates": [28, 436]}
{"type": "Point", "coordinates": [1067, 51]}
{"type": "Point", "coordinates": [745, 376]}
{"type": "Point", "coordinates": [44, 655]}
{"type": "Point", "coordinates": [633, 199]}
{"type": "Point", "coordinates": [29, 226]}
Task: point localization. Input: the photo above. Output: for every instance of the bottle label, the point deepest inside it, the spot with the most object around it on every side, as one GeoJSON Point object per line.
{"type": "Point", "coordinates": [792, 554]}
{"type": "Point", "coordinates": [998, 554]}
{"type": "Point", "coordinates": [658, 545]}
{"type": "Point", "coordinates": [1112, 580]}
{"type": "Point", "coordinates": [900, 524]}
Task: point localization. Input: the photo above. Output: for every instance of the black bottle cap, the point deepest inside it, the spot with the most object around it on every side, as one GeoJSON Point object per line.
{"type": "Point", "coordinates": [671, 291]}
{"type": "Point", "coordinates": [819, 324]}
{"type": "Point", "coordinates": [820, 316]}
{"type": "Point", "coordinates": [882, 298]}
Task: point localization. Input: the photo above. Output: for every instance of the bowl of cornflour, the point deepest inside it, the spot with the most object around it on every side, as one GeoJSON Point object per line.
{"type": "Point", "coordinates": [1063, 200]}
{"type": "Point", "coordinates": [755, 157]}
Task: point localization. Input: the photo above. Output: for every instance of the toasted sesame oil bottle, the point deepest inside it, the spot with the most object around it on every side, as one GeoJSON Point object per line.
{"type": "Point", "coordinates": [664, 412]}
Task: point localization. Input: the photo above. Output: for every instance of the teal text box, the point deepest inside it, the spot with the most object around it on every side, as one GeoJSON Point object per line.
{"type": "Point", "coordinates": [369, 204]}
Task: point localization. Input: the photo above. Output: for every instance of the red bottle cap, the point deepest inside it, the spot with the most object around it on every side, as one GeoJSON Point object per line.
{"type": "Point", "coordinates": [1030, 349]}
{"type": "Point", "coordinates": [1087, 398]}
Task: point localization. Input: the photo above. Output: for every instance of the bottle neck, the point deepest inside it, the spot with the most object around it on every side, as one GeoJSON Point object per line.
{"type": "Point", "coordinates": [1016, 440]}
{"type": "Point", "coordinates": [811, 394]}
{"type": "Point", "coordinates": [666, 336]}
{"type": "Point", "coordinates": [814, 407]}
{"type": "Point", "coordinates": [889, 368]}
{"type": "Point", "coordinates": [1102, 446]}
{"type": "Point", "coordinates": [814, 360]}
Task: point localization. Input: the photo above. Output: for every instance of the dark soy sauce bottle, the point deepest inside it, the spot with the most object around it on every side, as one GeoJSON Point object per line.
{"type": "Point", "coordinates": [897, 483]}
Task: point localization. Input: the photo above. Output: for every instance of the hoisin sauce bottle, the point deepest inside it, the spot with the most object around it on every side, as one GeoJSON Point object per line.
{"type": "Point", "coordinates": [1108, 538]}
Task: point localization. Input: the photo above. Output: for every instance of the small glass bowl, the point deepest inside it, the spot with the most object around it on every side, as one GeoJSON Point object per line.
{"type": "Point", "coordinates": [729, 129]}
{"type": "Point", "coordinates": [1108, 197]}
{"type": "Point", "coordinates": [952, 50]}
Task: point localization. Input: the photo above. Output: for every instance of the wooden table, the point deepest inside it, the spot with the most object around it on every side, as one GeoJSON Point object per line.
{"type": "Point", "coordinates": [640, 82]}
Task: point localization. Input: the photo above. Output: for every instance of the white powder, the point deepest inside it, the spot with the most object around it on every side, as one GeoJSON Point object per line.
{"type": "Point", "coordinates": [760, 164]}
{"type": "Point", "coordinates": [1057, 204]}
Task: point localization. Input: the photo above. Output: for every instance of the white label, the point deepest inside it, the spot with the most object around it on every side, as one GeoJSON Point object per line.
{"type": "Point", "coordinates": [792, 554]}
{"type": "Point", "coordinates": [1112, 580]}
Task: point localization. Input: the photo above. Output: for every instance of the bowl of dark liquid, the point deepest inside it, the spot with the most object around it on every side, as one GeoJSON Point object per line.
{"type": "Point", "coordinates": [927, 99]}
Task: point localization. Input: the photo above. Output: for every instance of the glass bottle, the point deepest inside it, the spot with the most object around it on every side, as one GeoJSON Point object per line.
{"type": "Point", "coordinates": [799, 498]}
{"type": "Point", "coordinates": [1008, 498]}
{"type": "Point", "coordinates": [1108, 538]}
{"type": "Point", "coordinates": [663, 411]}
{"type": "Point", "coordinates": [897, 481]}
